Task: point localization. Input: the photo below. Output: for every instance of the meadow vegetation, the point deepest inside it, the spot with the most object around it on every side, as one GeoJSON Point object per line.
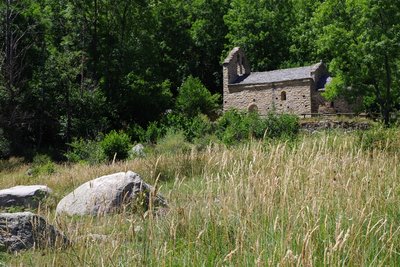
{"type": "Point", "coordinates": [327, 198]}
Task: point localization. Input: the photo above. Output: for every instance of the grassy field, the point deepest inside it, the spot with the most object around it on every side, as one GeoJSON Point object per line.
{"type": "Point", "coordinates": [319, 200]}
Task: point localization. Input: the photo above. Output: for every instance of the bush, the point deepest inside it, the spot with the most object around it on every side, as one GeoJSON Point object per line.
{"type": "Point", "coordinates": [379, 138]}
{"type": "Point", "coordinates": [89, 151]}
{"type": "Point", "coordinates": [154, 132]}
{"type": "Point", "coordinates": [198, 127]}
{"type": "Point", "coordinates": [281, 126]}
{"type": "Point", "coordinates": [194, 98]}
{"type": "Point", "coordinates": [136, 133]}
{"type": "Point", "coordinates": [173, 143]}
{"type": "Point", "coordinates": [116, 144]}
{"type": "Point", "coordinates": [191, 127]}
{"type": "Point", "coordinates": [42, 164]}
{"type": "Point", "coordinates": [230, 127]}
{"type": "Point", "coordinates": [235, 126]}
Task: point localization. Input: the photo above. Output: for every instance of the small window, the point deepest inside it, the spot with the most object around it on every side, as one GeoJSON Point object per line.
{"type": "Point", "coordinates": [332, 104]}
{"type": "Point", "coordinates": [283, 96]}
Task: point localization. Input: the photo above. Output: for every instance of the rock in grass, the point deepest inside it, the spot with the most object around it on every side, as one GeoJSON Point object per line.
{"type": "Point", "coordinates": [138, 151]}
{"type": "Point", "coordinates": [25, 230]}
{"type": "Point", "coordinates": [23, 195]}
{"type": "Point", "coordinates": [107, 194]}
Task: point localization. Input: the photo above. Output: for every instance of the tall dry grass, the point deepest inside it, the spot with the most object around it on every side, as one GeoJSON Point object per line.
{"type": "Point", "coordinates": [320, 200]}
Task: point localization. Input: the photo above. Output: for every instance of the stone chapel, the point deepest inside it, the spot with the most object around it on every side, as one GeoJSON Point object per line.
{"type": "Point", "coordinates": [295, 90]}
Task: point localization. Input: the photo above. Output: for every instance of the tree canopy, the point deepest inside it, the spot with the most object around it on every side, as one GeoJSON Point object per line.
{"type": "Point", "coordinates": [74, 69]}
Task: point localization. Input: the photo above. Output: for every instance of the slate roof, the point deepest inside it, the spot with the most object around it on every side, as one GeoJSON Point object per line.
{"type": "Point", "coordinates": [276, 76]}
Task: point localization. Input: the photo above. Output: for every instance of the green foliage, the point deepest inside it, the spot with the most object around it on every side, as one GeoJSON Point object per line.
{"type": "Point", "coordinates": [136, 133]}
{"type": "Point", "coordinates": [361, 40]}
{"type": "Point", "coordinates": [380, 138]}
{"type": "Point", "coordinates": [194, 98]}
{"type": "Point", "coordinates": [74, 70]}
{"type": "Point", "coordinates": [198, 127]}
{"type": "Point", "coordinates": [281, 126]}
{"type": "Point", "coordinates": [236, 126]}
{"type": "Point", "coordinates": [116, 144]}
{"type": "Point", "coordinates": [173, 143]}
{"type": "Point", "coordinates": [154, 132]}
{"type": "Point", "coordinates": [42, 165]}
{"type": "Point", "coordinates": [89, 151]}
{"type": "Point", "coordinates": [334, 88]}
{"type": "Point", "coordinates": [4, 145]}
{"type": "Point", "coordinates": [191, 127]}
{"type": "Point", "coordinates": [263, 28]}
{"type": "Point", "coordinates": [145, 100]}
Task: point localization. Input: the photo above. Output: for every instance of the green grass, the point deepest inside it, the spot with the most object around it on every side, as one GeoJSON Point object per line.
{"type": "Point", "coordinates": [318, 200]}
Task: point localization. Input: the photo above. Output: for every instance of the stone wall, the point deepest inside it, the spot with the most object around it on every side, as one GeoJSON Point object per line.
{"type": "Point", "coordinates": [328, 124]}
{"type": "Point", "coordinates": [339, 105]}
{"type": "Point", "coordinates": [268, 97]}
{"type": "Point", "coordinates": [235, 65]}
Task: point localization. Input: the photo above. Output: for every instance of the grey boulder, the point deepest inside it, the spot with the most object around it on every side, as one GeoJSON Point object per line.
{"type": "Point", "coordinates": [23, 195]}
{"type": "Point", "coordinates": [25, 230]}
{"type": "Point", "coordinates": [107, 194]}
{"type": "Point", "coordinates": [138, 151]}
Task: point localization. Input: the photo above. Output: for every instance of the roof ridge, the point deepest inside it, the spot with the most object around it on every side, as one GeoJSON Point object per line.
{"type": "Point", "coordinates": [277, 70]}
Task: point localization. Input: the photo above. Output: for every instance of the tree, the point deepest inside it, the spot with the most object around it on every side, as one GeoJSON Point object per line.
{"type": "Point", "coordinates": [207, 32]}
{"type": "Point", "coordinates": [303, 33]}
{"type": "Point", "coordinates": [262, 28]}
{"type": "Point", "coordinates": [193, 98]}
{"type": "Point", "coordinates": [21, 30]}
{"type": "Point", "coordinates": [362, 41]}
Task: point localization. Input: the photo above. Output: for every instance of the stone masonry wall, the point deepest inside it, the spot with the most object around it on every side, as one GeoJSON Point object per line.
{"type": "Point", "coordinates": [235, 65]}
{"type": "Point", "coordinates": [339, 105]}
{"type": "Point", "coordinates": [268, 97]}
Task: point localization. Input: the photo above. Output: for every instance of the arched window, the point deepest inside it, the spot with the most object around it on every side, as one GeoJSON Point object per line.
{"type": "Point", "coordinates": [253, 108]}
{"type": "Point", "coordinates": [283, 96]}
{"type": "Point", "coordinates": [239, 65]}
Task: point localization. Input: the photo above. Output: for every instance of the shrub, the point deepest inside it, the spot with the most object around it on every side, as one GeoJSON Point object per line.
{"type": "Point", "coordinates": [154, 132]}
{"type": "Point", "coordinates": [116, 144]}
{"type": "Point", "coordinates": [173, 143]}
{"type": "Point", "coordinates": [198, 127]}
{"type": "Point", "coordinates": [281, 126]}
{"type": "Point", "coordinates": [230, 128]}
{"type": "Point", "coordinates": [89, 151]}
{"type": "Point", "coordinates": [379, 138]}
{"type": "Point", "coordinates": [42, 164]}
{"type": "Point", "coordinates": [202, 142]}
{"type": "Point", "coordinates": [235, 126]}
{"type": "Point", "coordinates": [136, 133]}
{"type": "Point", "coordinates": [194, 98]}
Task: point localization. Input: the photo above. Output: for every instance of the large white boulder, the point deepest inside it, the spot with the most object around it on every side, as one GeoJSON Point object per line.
{"type": "Point", "coordinates": [25, 230]}
{"type": "Point", "coordinates": [106, 194]}
{"type": "Point", "coordinates": [23, 195]}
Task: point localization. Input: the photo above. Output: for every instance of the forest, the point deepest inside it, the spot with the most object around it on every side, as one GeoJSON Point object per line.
{"type": "Point", "coordinates": [76, 70]}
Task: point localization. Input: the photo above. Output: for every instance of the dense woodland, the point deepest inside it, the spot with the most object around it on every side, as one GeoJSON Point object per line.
{"type": "Point", "coordinates": [74, 69]}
